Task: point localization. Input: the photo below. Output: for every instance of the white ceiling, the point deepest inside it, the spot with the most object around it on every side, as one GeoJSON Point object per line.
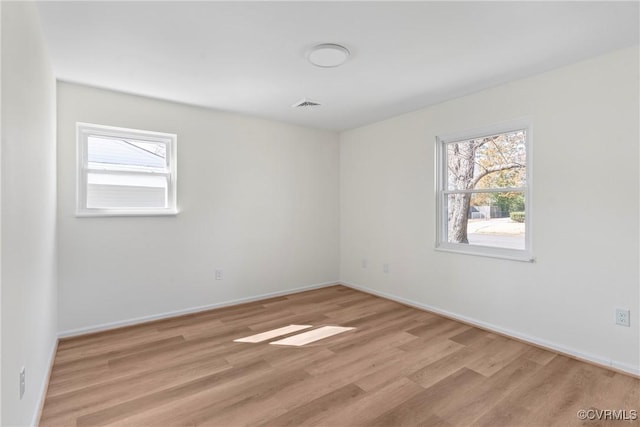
{"type": "Point", "coordinates": [249, 57]}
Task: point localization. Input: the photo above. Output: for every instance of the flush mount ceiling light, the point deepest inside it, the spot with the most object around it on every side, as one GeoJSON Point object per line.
{"type": "Point", "coordinates": [328, 55]}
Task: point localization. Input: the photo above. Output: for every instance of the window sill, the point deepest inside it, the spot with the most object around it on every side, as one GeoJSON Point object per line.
{"type": "Point", "coordinates": [132, 213]}
{"type": "Point", "coordinates": [488, 252]}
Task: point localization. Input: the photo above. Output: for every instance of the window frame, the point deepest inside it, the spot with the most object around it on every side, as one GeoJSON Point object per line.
{"type": "Point", "coordinates": [441, 193]}
{"type": "Point", "coordinates": [85, 130]}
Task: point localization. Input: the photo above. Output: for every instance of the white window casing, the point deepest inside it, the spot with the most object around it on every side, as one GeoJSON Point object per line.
{"type": "Point", "coordinates": [119, 174]}
{"type": "Point", "coordinates": [443, 191]}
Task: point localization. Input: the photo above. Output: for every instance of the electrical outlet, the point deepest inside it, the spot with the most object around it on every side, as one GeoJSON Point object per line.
{"type": "Point", "coordinates": [623, 317]}
{"type": "Point", "coordinates": [364, 263]}
{"type": "Point", "coordinates": [385, 268]}
{"type": "Point", "coordinates": [218, 273]}
{"type": "Point", "coordinates": [22, 381]}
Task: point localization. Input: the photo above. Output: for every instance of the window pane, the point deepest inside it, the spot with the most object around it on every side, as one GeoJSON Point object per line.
{"type": "Point", "coordinates": [126, 154]}
{"type": "Point", "coordinates": [126, 191]}
{"type": "Point", "coordinates": [487, 219]}
{"type": "Point", "coordinates": [496, 161]}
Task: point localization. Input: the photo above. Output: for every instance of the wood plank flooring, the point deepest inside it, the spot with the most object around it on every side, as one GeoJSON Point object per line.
{"type": "Point", "coordinates": [399, 367]}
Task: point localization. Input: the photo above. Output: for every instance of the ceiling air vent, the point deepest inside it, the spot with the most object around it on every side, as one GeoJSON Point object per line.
{"type": "Point", "coordinates": [306, 103]}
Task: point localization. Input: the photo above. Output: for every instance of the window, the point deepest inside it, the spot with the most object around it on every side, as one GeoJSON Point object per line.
{"type": "Point", "coordinates": [125, 171]}
{"type": "Point", "coordinates": [483, 191]}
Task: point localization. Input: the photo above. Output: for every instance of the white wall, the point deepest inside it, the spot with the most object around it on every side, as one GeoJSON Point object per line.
{"type": "Point", "coordinates": [585, 195]}
{"type": "Point", "coordinates": [28, 212]}
{"type": "Point", "coordinates": [258, 199]}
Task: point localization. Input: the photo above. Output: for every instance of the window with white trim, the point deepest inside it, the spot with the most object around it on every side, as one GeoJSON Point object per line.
{"type": "Point", "coordinates": [125, 171]}
{"type": "Point", "coordinates": [483, 191]}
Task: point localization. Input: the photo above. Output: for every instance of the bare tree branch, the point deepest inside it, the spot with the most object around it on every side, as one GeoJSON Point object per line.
{"type": "Point", "coordinates": [493, 169]}
{"type": "Point", "coordinates": [499, 151]}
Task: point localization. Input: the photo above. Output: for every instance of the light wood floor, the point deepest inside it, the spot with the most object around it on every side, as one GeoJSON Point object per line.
{"type": "Point", "coordinates": [400, 366]}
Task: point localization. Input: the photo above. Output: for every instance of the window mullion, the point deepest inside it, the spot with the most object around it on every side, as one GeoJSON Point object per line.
{"type": "Point", "coordinates": [126, 172]}
{"type": "Point", "coordinates": [487, 190]}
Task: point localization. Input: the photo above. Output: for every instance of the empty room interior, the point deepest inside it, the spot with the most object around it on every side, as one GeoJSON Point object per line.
{"type": "Point", "coordinates": [321, 213]}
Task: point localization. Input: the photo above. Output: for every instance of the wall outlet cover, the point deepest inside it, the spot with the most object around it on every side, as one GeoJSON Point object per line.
{"type": "Point", "coordinates": [623, 317]}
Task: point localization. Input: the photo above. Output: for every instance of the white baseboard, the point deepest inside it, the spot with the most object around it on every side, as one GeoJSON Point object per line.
{"type": "Point", "coordinates": [121, 323]}
{"type": "Point", "coordinates": [44, 386]}
{"type": "Point", "coordinates": [558, 348]}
